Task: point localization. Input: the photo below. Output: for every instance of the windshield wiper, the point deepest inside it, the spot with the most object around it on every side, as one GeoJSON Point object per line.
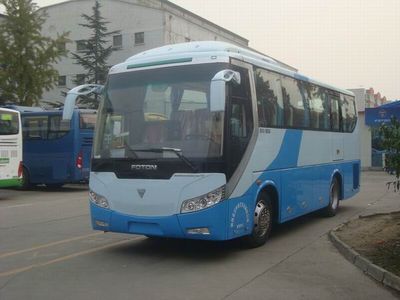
{"type": "Point", "coordinates": [178, 152]}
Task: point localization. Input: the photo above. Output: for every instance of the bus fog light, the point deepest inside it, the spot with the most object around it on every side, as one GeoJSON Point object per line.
{"type": "Point", "coordinates": [101, 223]}
{"type": "Point", "coordinates": [98, 199]}
{"type": "Point", "coordinates": [204, 201]}
{"type": "Point", "coordinates": [201, 230]}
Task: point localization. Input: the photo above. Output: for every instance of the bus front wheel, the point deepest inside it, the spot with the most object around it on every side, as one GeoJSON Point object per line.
{"type": "Point", "coordinates": [262, 223]}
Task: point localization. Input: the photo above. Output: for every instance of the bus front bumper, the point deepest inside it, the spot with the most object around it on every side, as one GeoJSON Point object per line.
{"type": "Point", "coordinates": [207, 224]}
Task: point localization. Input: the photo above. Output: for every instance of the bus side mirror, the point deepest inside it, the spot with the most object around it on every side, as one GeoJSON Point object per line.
{"type": "Point", "coordinates": [80, 90]}
{"type": "Point", "coordinates": [218, 88]}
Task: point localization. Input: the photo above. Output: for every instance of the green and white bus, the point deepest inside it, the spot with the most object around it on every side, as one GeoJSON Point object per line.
{"type": "Point", "coordinates": [10, 148]}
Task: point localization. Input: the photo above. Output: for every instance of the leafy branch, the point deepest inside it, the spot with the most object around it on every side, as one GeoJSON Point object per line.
{"type": "Point", "coordinates": [391, 143]}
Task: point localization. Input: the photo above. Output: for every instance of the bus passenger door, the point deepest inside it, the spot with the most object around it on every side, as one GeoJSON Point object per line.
{"type": "Point", "coordinates": [239, 122]}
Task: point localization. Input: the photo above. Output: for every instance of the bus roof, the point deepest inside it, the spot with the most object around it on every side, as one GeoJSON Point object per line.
{"type": "Point", "coordinates": [39, 110]}
{"type": "Point", "coordinates": [9, 110]}
{"type": "Point", "coordinates": [24, 108]}
{"type": "Point", "coordinates": [209, 51]}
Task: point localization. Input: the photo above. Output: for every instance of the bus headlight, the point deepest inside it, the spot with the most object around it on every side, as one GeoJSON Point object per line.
{"type": "Point", "coordinates": [98, 199]}
{"type": "Point", "coordinates": [203, 201]}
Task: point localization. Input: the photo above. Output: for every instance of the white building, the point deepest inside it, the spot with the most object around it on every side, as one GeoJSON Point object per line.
{"type": "Point", "coordinates": [143, 24]}
{"type": "Point", "coordinates": [366, 98]}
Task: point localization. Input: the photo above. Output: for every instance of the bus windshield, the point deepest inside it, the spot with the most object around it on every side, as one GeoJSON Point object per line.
{"type": "Point", "coordinates": [158, 109]}
{"type": "Point", "coordinates": [87, 120]}
{"type": "Point", "coordinates": [8, 123]}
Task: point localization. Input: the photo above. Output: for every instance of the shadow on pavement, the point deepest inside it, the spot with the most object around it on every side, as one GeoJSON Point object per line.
{"type": "Point", "coordinates": [44, 188]}
{"type": "Point", "coordinates": [198, 250]}
{"type": "Point", "coordinates": [190, 250]}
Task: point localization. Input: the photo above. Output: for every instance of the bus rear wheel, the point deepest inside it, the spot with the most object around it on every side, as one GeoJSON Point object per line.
{"type": "Point", "coordinates": [26, 184]}
{"type": "Point", "coordinates": [54, 185]}
{"type": "Point", "coordinates": [263, 216]}
{"type": "Point", "coordinates": [334, 195]}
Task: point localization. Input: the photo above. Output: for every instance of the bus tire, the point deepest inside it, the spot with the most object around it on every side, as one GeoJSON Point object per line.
{"type": "Point", "coordinates": [54, 185]}
{"type": "Point", "coordinates": [26, 184]}
{"type": "Point", "coordinates": [263, 218]}
{"type": "Point", "coordinates": [334, 197]}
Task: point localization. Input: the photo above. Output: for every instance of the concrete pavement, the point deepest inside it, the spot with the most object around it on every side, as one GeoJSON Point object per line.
{"type": "Point", "coordinates": [298, 262]}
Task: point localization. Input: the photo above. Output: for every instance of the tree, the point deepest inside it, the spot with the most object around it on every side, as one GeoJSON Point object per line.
{"type": "Point", "coordinates": [95, 52]}
{"type": "Point", "coordinates": [391, 143]}
{"type": "Point", "coordinates": [26, 56]}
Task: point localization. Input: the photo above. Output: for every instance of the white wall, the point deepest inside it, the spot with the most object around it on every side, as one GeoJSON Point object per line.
{"type": "Point", "coordinates": [360, 95]}
{"type": "Point", "coordinates": [365, 131]}
{"type": "Point", "coordinates": [162, 23]}
{"type": "Point", "coordinates": [180, 26]}
{"type": "Point", "coordinates": [365, 142]}
{"type": "Point", "coordinates": [125, 17]}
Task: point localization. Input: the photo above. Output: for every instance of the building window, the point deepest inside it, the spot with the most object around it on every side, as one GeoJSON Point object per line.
{"type": "Point", "coordinates": [139, 38]}
{"type": "Point", "coordinates": [62, 80]}
{"type": "Point", "coordinates": [81, 45]}
{"type": "Point", "coordinates": [61, 46]}
{"type": "Point", "coordinates": [117, 41]}
{"type": "Point", "coordinates": [80, 79]}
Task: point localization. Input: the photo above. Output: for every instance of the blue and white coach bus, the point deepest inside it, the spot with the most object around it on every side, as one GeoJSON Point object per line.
{"type": "Point", "coordinates": [206, 140]}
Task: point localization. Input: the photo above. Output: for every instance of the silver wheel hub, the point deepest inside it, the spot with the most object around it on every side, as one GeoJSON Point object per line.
{"type": "Point", "coordinates": [334, 197]}
{"type": "Point", "coordinates": [262, 219]}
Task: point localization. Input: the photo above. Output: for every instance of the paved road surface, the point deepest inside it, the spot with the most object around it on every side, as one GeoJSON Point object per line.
{"type": "Point", "coordinates": [48, 251]}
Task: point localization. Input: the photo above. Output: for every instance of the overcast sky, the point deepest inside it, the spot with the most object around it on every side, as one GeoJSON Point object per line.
{"type": "Point", "coordinates": [348, 43]}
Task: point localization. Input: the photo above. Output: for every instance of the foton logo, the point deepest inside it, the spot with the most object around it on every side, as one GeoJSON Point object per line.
{"type": "Point", "coordinates": [144, 167]}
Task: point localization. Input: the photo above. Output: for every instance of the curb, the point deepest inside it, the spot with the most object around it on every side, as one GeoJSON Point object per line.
{"type": "Point", "coordinates": [379, 274]}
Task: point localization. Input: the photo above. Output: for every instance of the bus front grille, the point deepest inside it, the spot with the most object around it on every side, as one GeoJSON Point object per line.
{"type": "Point", "coordinates": [4, 142]}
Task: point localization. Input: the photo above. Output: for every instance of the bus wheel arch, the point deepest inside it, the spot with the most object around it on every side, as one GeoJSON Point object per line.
{"type": "Point", "coordinates": [265, 214]}
{"type": "Point", "coordinates": [339, 178]}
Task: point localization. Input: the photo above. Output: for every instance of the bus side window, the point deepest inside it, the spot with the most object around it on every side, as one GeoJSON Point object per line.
{"type": "Point", "coordinates": [269, 98]}
{"type": "Point", "coordinates": [349, 115]}
{"type": "Point", "coordinates": [287, 109]}
{"type": "Point", "coordinates": [241, 108]}
{"type": "Point", "coordinates": [55, 131]}
{"type": "Point", "coordinates": [335, 112]}
{"type": "Point", "coordinates": [319, 110]}
{"type": "Point", "coordinates": [36, 127]}
{"type": "Point", "coordinates": [294, 104]}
